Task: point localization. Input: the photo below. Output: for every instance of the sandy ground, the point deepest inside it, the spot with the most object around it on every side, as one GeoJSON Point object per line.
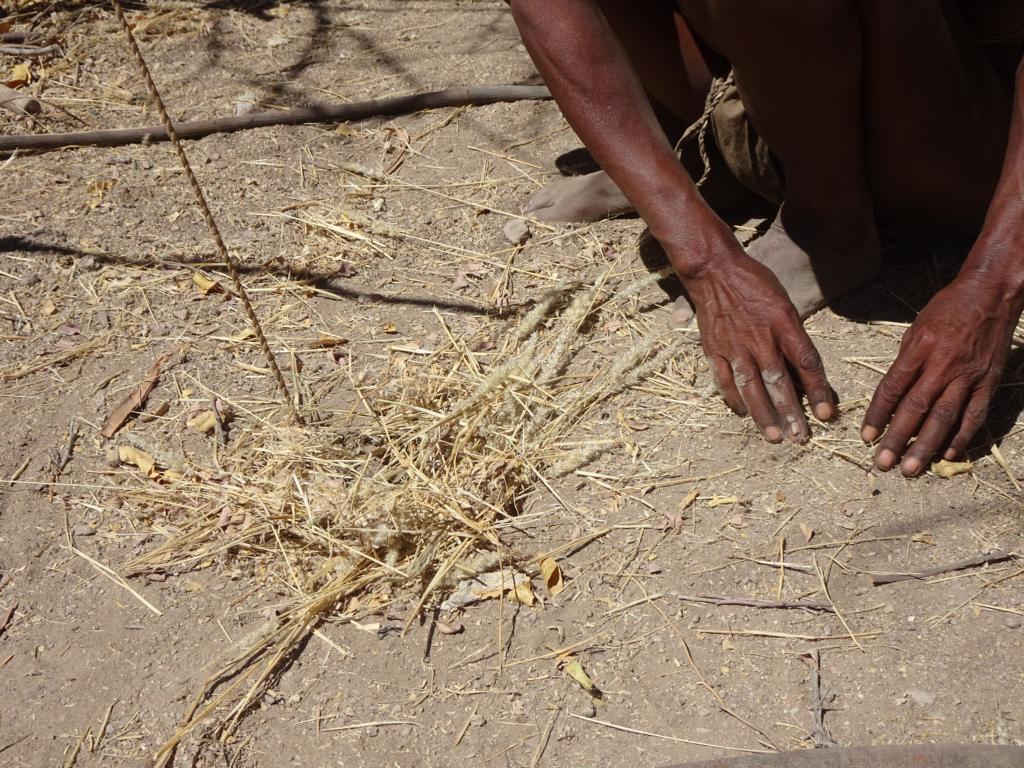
{"type": "Point", "coordinates": [97, 255]}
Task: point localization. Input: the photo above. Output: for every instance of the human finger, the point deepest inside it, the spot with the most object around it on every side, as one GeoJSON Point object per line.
{"type": "Point", "coordinates": [782, 394]}
{"type": "Point", "coordinates": [887, 397]}
{"type": "Point", "coordinates": [803, 356]}
{"type": "Point", "coordinates": [747, 377]}
{"type": "Point", "coordinates": [911, 412]}
{"type": "Point", "coordinates": [721, 373]}
{"type": "Point", "coordinates": [941, 420]}
{"type": "Point", "coordinates": [971, 421]}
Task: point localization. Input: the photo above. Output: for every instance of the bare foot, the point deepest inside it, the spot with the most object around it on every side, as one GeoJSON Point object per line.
{"type": "Point", "coordinates": [579, 199]}
{"type": "Point", "coordinates": [817, 261]}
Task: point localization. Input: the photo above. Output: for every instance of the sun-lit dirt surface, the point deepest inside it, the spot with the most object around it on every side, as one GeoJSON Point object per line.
{"type": "Point", "coordinates": [388, 233]}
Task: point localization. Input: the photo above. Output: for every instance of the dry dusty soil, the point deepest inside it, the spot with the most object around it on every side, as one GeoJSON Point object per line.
{"type": "Point", "coordinates": [388, 233]}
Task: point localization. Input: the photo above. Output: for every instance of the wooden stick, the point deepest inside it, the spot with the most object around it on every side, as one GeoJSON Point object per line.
{"type": "Point", "coordinates": [28, 50]}
{"type": "Point", "coordinates": [324, 113]}
{"type": "Point", "coordinates": [20, 36]}
{"type": "Point", "coordinates": [993, 557]}
{"type": "Point", "coordinates": [18, 102]}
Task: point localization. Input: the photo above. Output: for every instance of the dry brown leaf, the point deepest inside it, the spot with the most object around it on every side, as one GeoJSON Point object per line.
{"type": "Point", "coordinates": [20, 76]}
{"type": "Point", "coordinates": [204, 422]}
{"type": "Point", "coordinates": [131, 455]}
{"type": "Point", "coordinates": [948, 469]}
{"type": "Point", "coordinates": [523, 593]}
{"type": "Point", "coordinates": [552, 576]}
{"type": "Point", "coordinates": [807, 531]}
{"type": "Point", "coordinates": [243, 335]}
{"type": "Point", "coordinates": [205, 284]}
{"type": "Point", "coordinates": [134, 400]}
{"type": "Point", "coordinates": [575, 670]}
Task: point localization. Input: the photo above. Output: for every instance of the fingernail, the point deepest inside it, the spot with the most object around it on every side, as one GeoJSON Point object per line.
{"type": "Point", "coordinates": [823, 411]}
{"type": "Point", "coordinates": [869, 434]}
{"type": "Point", "coordinates": [910, 466]}
{"type": "Point", "coordinates": [885, 459]}
{"type": "Point", "coordinates": [773, 434]}
{"type": "Point", "coordinates": [950, 454]}
{"type": "Point", "coordinates": [796, 432]}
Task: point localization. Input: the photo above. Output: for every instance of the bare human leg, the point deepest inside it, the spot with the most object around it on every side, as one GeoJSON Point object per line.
{"type": "Point", "coordinates": [800, 73]}
{"type": "Point", "coordinates": [937, 114]}
{"type": "Point", "coordinates": [876, 109]}
{"type": "Point", "coordinates": [671, 66]}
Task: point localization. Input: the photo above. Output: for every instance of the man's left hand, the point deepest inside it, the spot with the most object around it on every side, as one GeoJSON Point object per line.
{"type": "Point", "coordinates": [939, 388]}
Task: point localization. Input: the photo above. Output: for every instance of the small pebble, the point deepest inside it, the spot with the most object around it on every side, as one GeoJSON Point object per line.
{"type": "Point", "coordinates": [517, 231]}
{"type": "Point", "coordinates": [29, 278]}
{"type": "Point", "coordinates": [589, 710]}
{"type": "Point", "coordinates": [1013, 622]}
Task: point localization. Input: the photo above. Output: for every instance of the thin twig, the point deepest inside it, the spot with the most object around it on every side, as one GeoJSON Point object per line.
{"type": "Point", "coordinates": [371, 724]}
{"type": "Point", "coordinates": [678, 739]}
{"type": "Point", "coordinates": [116, 579]}
{"type": "Point", "coordinates": [998, 556]}
{"type": "Point", "coordinates": [821, 735]}
{"type": "Point", "coordinates": [211, 223]}
{"type": "Point", "coordinates": [780, 604]}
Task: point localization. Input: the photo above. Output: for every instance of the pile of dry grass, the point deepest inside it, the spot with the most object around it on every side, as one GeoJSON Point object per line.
{"type": "Point", "coordinates": [415, 495]}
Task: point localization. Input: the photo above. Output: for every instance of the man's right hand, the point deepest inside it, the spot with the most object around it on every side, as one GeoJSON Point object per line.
{"type": "Point", "coordinates": [749, 331]}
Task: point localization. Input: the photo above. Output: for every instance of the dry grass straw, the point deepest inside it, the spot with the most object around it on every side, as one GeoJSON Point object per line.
{"type": "Point", "coordinates": [416, 492]}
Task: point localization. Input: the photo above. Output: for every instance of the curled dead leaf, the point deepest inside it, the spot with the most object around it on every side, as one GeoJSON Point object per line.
{"type": "Point", "coordinates": [20, 76]}
{"type": "Point", "coordinates": [523, 593]}
{"type": "Point", "coordinates": [807, 531]}
{"type": "Point", "coordinates": [552, 576]}
{"type": "Point", "coordinates": [948, 469]}
{"type": "Point", "coordinates": [204, 422]}
{"type": "Point", "coordinates": [575, 670]}
{"type": "Point", "coordinates": [129, 454]}
{"type": "Point", "coordinates": [243, 335]}
{"type": "Point", "coordinates": [205, 284]}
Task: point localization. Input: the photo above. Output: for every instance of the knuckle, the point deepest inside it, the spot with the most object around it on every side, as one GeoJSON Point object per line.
{"type": "Point", "coordinates": [743, 376]}
{"type": "Point", "coordinates": [890, 388]}
{"type": "Point", "coordinates": [944, 413]}
{"type": "Point", "coordinates": [974, 415]}
{"type": "Point", "coordinates": [916, 403]}
{"type": "Point", "coordinates": [772, 375]}
{"type": "Point", "coordinates": [808, 359]}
